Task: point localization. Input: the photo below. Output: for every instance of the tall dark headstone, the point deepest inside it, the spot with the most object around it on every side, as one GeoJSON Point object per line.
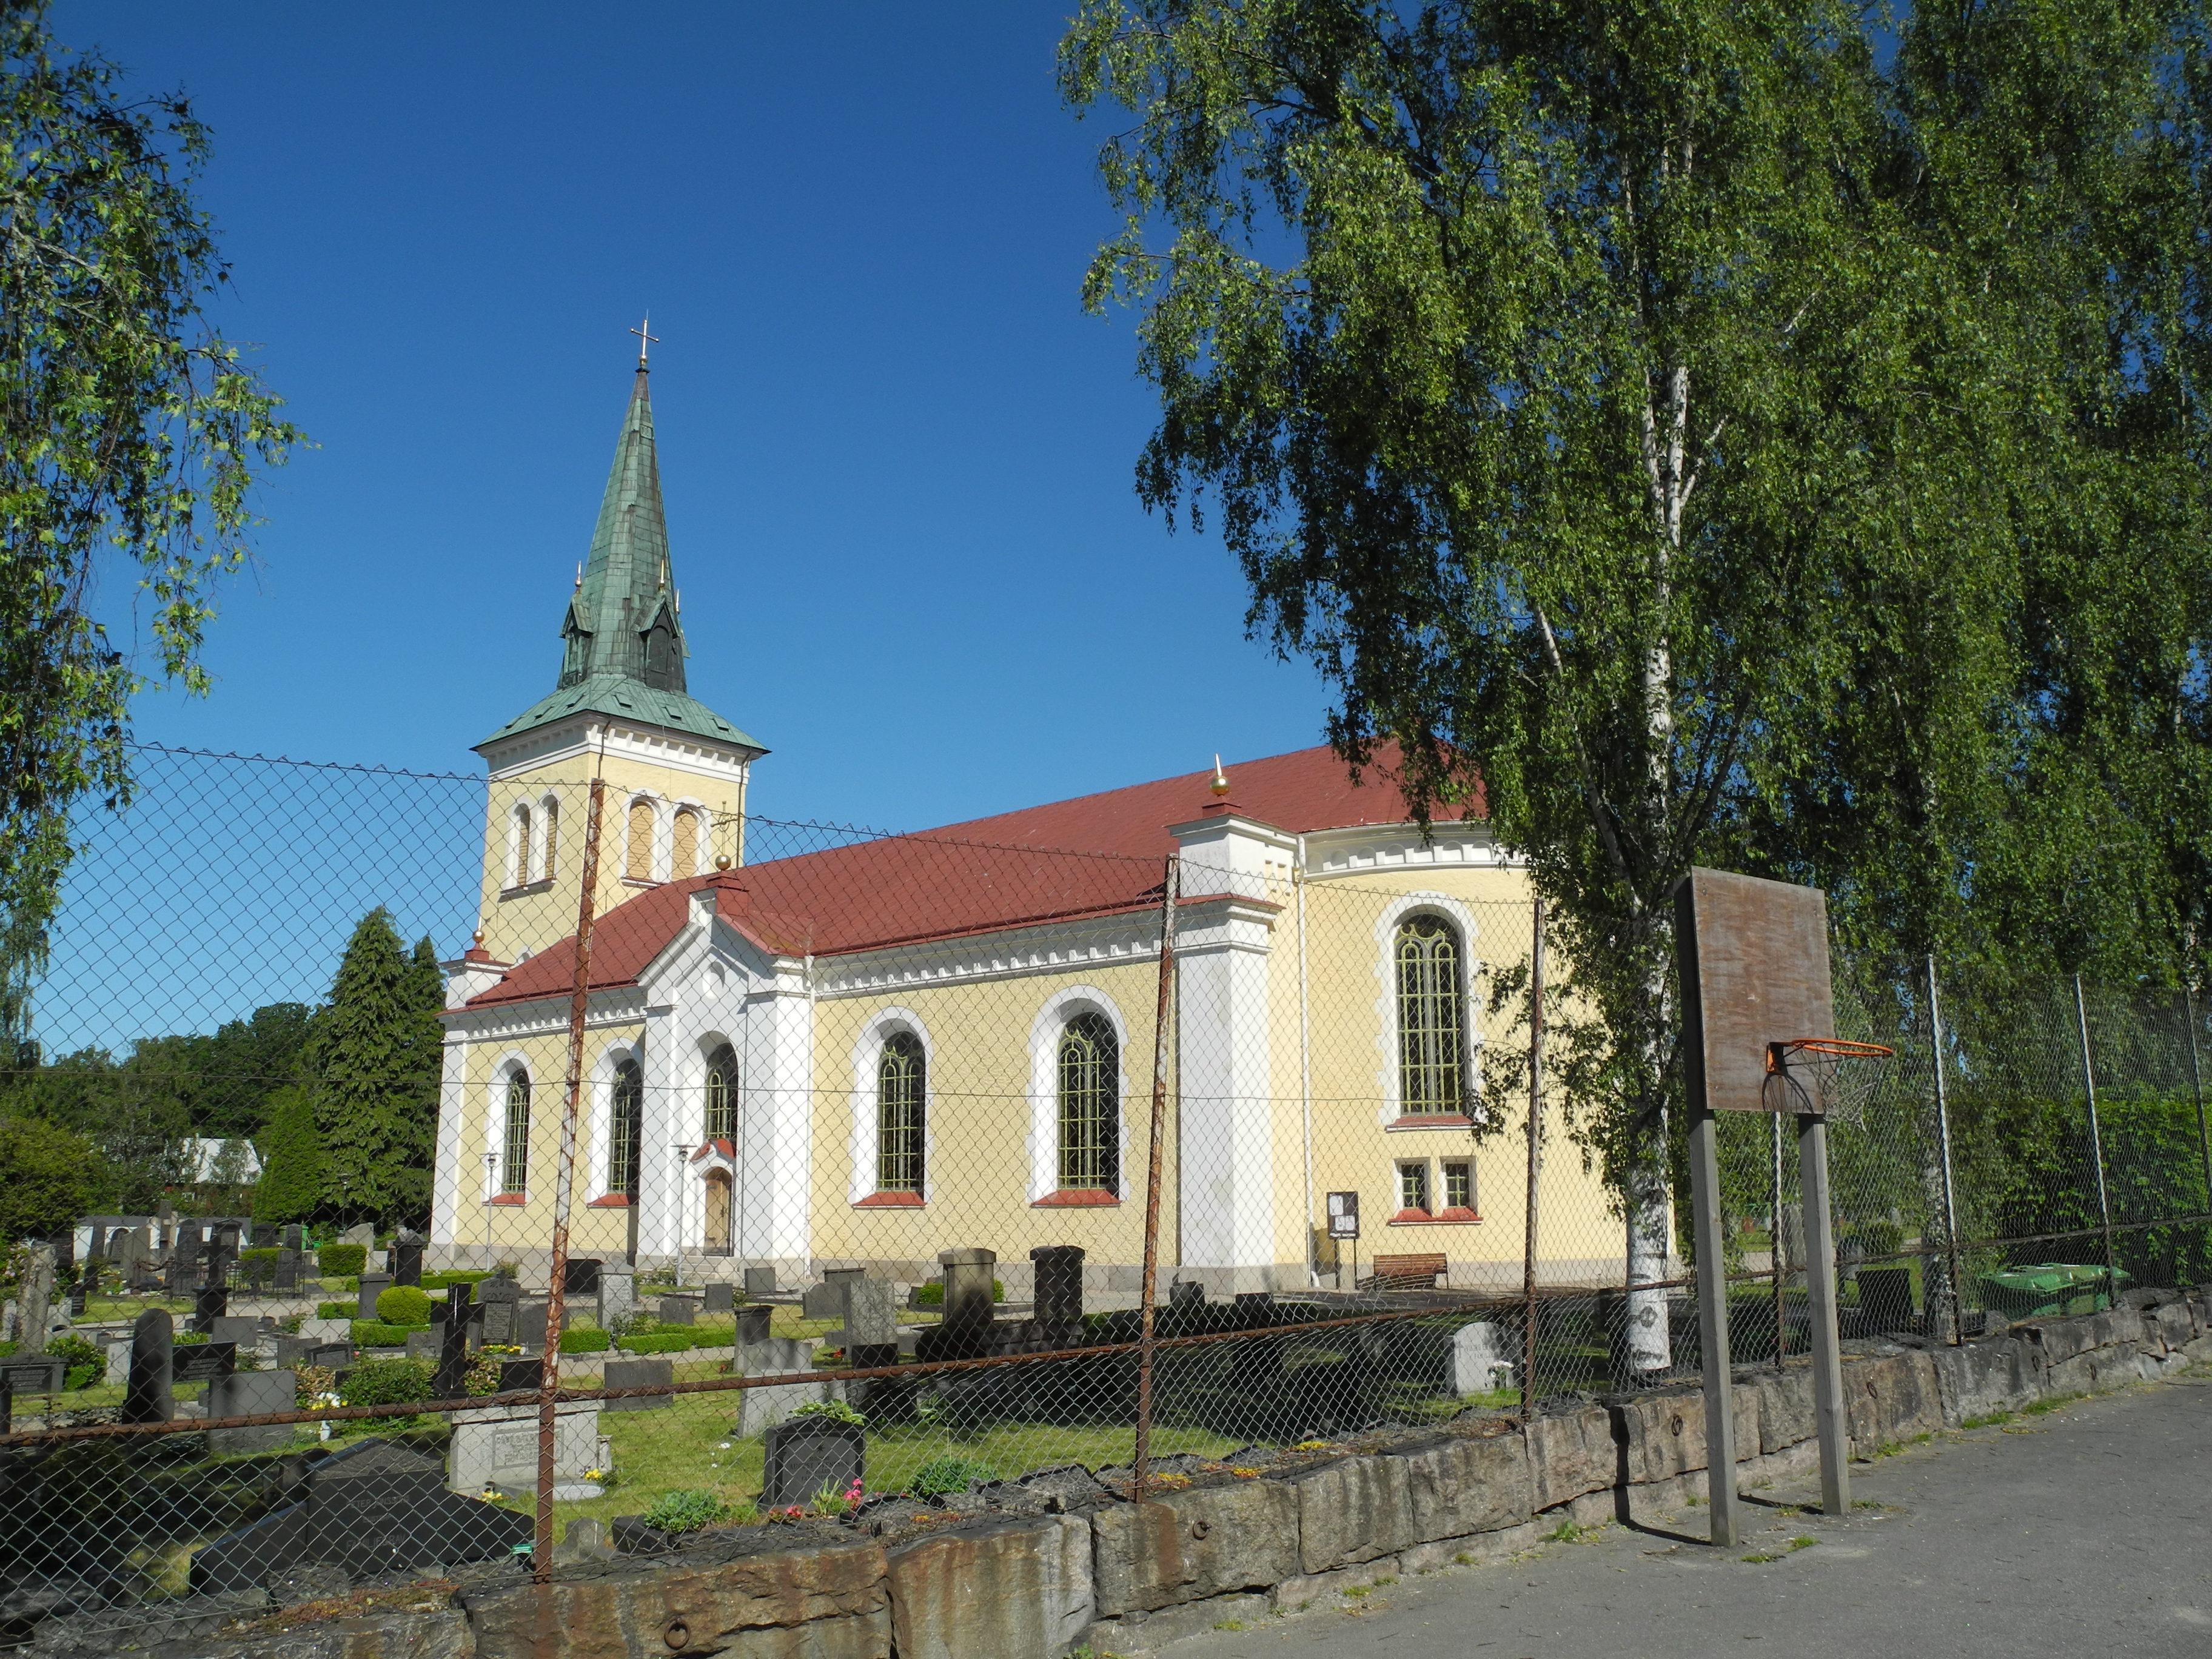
{"type": "Point", "coordinates": [296, 1237]}
{"type": "Point", "coordinates": [579, 1276]}
{"type": "Point", "coordinates": [290, 1269]}
{"type": "Point", "coordinates": [970, 1309]}
{"type": "Point", "coordinates": [451, 1378]}
{"type": "Point", "coordinates": [752, 1324]}
{"type": "Point", "coordinates": [153, 1340]}
{"type": "Point", "coordinates": [211, 1301]}
{"type": "Point", "coordinates": [371, 1286]}
{"type": "Point", "coordinates": [760, 1281]}
{"type": "Point", "coordinates": [407, 1259]}
{"type": "Point", "coordinates": [64, 1244]}
{"type": "Point", "coordinates": [1058, 1298]}
{"type": "Point", "coordinates": [718, 1298]}
{"type": "Point", "coordinates": [807, 1454]}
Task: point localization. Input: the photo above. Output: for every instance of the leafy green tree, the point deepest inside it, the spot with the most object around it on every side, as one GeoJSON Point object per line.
{"type": "Point", "coordinates": [245, 1063]}
{"type": "Point", "coordinates": [48, 1177]}
{"type": "Point", "coordinates": [130, 437]}
{"type": "Point", "coordinates": [1697, 443]}
{"type": "Point", "coordinates": [291, 1185]}
{"type": "Point", "coordinates": [374, 1055]}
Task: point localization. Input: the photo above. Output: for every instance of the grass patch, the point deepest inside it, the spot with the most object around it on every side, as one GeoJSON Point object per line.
{"type": "Point", "coordinates": [1986, 1420]}
{"type": "Point", "coordinates": [1760, 1560]}
{"type": "Point", "coordinates": [1569, 1532]}
{"type": "Point", "coordinates": [2050, 1403]}
{"type": "Point", "coordinates": [1230, 1624]}
{"type": "Point", "coordinates": [1355, 1592]}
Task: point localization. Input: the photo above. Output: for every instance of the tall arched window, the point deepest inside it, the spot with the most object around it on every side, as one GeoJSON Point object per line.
{"type": "Point", "coordinates": [1432, 1053]}
{"type": "Point", "coordinates": [683, 855]}
{"type": "Point", "coordinates": [1090, 1105]}
{"type": "Point", "coordinates": [637, 864]}
{"type": "Point", "coordinates": [550, 811]}
{"type": "Point", "coordinates": [626, 1128]}
{"type": "Point", "coordinates": [518, 857]}
{"type": "Point", "coordinates": [722, 1120]}
{"type": "Point", "coordinates": [514, 1155]}
{"type": "Point", "coordinates": [902, 1089]}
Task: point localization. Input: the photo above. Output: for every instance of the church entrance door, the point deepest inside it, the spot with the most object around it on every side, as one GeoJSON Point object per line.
{"type": "Point", "coordinates": [718, 1213]}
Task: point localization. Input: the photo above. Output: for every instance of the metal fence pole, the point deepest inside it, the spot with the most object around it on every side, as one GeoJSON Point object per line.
{"type": "Point", "coordinates": [2097, 1146]}
{"type": "Point", "coordinates": [2197, 1090]}
{"type": "Point", "coordinates": [1535, 1117]}
{"type": "Point", "coordinates": [555, 1298]}
{"type": "Point", "coordinates": [1774, 1257]}
{"type": "Point", "coordinates": [1831, 1414]}
{"type": "Point", "coordinates": [1943, 1137]}
{"type": "Point", "coordinates": [1170, 893]}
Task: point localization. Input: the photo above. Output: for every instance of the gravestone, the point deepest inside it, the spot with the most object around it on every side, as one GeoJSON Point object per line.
{"type": "Point", "coordinates": [1480, 1358]}
{"type": "Point", "coordinates": [293, 1350]}
{"type": "Point", "coordinates": [148, 1398]}
{"type": "Point", "coordinates": [529, 1326]}
{"type": "Point", "coordinates": [428, 1343]}
{"type": "Point", "coordinates": [760, 1281]}
{"type": "Point", "coordinates": [246, 1333]}
{"type": "Point", "coordinates": [618, 1296]}
{"type": "Point", "coordinates": [30, 1374]}
{"type": "Point", "coordinates": [1057, 1299]}
{"type": "Point", "coordinates": [497, 1446]}
{"type": "Point", "coordinates": [965, 1331]}
{"type": "Point", "coordinates": [679, 1310]}
{"type": "Point", "coordinates": [808, 1455]}
{"type": "Point", "coordinates": [1187, 1293]}
{"type": "Point", "coordinates": [327, 1330]}
{"type": "Point", "coordinates": [371, 1286]}
{"type": "Point", "coordinates": [290, 1270]}
{"type": "Point", "coordinates": [641, 1374]}
{"type": "Point", "coordinates": [498, 1296]}
{"type": "Point", "coordinates": [761, 1408]}
{"type": "Point", "coordinates": [363, 1233]}
{"type": "Point", "coordinates": [717, 1298]}
{"type": "Point", "coordinates": [872, 1323]}
{"type": "Point", "coordinates": [329, 1356]}
{"type": "Point", "coordinates": [211, 1301]}
{"type": "Point", "coordinates": [827, 1299]}
{"type": "Point", "coordinates": [203, 1362]}
{"type": "Point", "coordinates": [251, 1393]}
{"type": "Point", "coordinates": [1885, 1298]}
{"type": "Point", "coordinates": [80, 1294]}
{"type": "Point", "coordinates": [118, 1374]}
{"type": "Point", "coordinates": [752, 1324]}
{"type": "Point", "coordinates": [371, 1509]}
{"type": "Point", "coordinates": [407, 1259]}
{"type": "Point", "coordinates": [461, 1313]}
{"type": "Point", "coordinates": [34, 1302]}
{"type": "Point", "coordinates": [579, 1277]}
{"type": "Point", "coordinates": [515, 1374]}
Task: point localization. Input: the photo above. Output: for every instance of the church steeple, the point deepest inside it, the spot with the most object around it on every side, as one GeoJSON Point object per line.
{"type": "Point", "coordinates": [622, 617]}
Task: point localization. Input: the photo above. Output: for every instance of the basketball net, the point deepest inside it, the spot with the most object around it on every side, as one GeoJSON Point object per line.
{"type": "Point", "coordinates": [1829, 1076]}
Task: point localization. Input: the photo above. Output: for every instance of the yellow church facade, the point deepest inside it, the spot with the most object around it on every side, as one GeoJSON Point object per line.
{"type": "Point", "coordinates": [860, 1056]}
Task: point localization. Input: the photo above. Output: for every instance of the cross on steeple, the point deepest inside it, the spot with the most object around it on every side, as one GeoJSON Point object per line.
{"type": "Point", "coordinates": [644, 339]}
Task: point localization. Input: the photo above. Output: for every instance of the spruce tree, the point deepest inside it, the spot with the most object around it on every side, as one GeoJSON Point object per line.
{"type": "Point", "coordinates": [291, 1186]}
{"type": "Point", "coordinates": [374, 1056]}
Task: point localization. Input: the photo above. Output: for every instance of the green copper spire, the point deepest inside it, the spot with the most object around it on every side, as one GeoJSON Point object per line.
{"type": "Point", "coordinates": [622, 640]}
{"type": "Point", "coordinates": [621, 618]}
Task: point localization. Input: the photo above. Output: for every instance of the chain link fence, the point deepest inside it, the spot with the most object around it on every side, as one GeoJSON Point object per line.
{"type": "Point", "coordinates": [476, 1178]}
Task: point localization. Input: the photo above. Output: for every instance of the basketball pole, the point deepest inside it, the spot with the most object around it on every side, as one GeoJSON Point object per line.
{"type": "Point", "coordinates": [1829, 1417]}
{"type": "Point", "coordinates": [1706, 1232]}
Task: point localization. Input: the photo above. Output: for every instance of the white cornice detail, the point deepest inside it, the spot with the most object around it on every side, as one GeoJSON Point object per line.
{"type": "Point", "coordinates": [540, 1016]}
{"type": "Point", "coordinates": [589, 732]}
{"type": "Point", "coordinates": [1364, 849]}
{"type": "Point", "coordinates": [1008, 953]}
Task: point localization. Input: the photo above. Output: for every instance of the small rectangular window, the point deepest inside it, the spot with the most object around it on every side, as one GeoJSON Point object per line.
{"type": "Point", "coordinates": [1414, 1187]}
{"type": "Point", "coordinates": [1459, 1185]}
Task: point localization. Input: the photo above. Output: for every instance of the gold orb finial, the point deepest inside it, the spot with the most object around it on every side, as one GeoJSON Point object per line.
{"type": "Point", "coordinates": [476, 937]}
{"type": "Point", "coordinates": [1220, 783]}
{"type": "Point", "coordinates": [721, 860]}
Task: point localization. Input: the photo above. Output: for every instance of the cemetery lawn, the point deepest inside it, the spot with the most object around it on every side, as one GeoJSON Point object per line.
{"type": "Point", "coordinates": [681, 1446]}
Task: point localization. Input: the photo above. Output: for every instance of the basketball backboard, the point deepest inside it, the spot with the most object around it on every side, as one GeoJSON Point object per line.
{"type": "Point", "coordinates": [1754, 957]}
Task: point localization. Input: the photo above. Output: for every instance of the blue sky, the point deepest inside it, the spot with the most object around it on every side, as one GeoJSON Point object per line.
{"type": "Point", "coordinates": [897, 454]}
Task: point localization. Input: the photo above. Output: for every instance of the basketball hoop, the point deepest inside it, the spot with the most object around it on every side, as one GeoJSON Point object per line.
{"type": "Point", "coordinates": [1802, 1073]}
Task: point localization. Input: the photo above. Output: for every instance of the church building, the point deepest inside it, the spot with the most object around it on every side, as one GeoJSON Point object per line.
{"type": "Point", "coordinates": [860, 1056]}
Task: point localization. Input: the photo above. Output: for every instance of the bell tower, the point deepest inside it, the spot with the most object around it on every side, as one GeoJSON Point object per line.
{"type": "Point", "coordinates": [674, 771]}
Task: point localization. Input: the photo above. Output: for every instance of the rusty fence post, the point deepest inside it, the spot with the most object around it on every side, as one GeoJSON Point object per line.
{"type": "Point", "coordinates": [1169, 895]}
{"type": "Point", "coordinates": [1535, 1158]}
{"type": "Point", "coordinates": [556, 1297]}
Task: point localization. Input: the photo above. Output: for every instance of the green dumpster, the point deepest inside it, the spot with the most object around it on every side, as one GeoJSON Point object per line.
{"type": "Point", "coordinates": [2049, 1290]}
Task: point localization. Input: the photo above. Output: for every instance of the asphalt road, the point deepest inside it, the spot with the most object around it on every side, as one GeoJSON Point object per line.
{"type": "Point", "coordinates": [2084, 1531]}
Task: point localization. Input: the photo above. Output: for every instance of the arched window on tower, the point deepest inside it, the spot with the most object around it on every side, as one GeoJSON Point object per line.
{"type": "Point", "coordinates": [1431, 1048]}
{"type": "Point", "coordinates": [1090, 1105]}
{"type": "Point", "coordinates": [637, 864]}
{"type": "Point", "coordinates": [721, 1118]}
{"type": "Point", "coordinates": [518, 850]}
{"type": "Point", "coordinates": [626, 1128]}
{"type": "Point", "coordinates": [549, 809]}
{"type": "Point", "coordinates": [514, 1153]}
{"type": "Point", "coordinates": [902, 1092]}
{"type": "Point", "coordinates": [683, 855]}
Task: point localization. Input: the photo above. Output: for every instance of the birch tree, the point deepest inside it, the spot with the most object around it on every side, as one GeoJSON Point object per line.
{"type": "Point", "coordinates": [1576, 393]}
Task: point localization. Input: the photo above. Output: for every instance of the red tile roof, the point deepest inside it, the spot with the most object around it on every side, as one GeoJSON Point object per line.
{"type": "Point", "coordinates": [1007, 871]}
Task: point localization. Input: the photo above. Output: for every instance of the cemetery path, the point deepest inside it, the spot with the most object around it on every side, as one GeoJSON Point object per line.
{"type": "Point", "coordinates": [2080, 1531]}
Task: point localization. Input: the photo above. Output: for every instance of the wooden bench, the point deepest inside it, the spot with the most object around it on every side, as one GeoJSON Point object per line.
{"type": "Point", "coordinates": [1407, 1272]}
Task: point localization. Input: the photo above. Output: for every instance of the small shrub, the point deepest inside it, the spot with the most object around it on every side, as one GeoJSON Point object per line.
{"type": "Point", "coordinates": [931, 1294]}
{"type": "Point", "coordinates": [585, 1340]}
{"type": "Point", "coordinates": [941, 1475]}
{"type": "Point", "coordinates": [836, 1410]}
{"type": "Point", "coordinates": [338, 1309]}
{"type": "Point", "coordinates": [374, 1334]}
{"type": "Point", "coordinates": [387, 1382]}
{"type": "Point", "coordinates": [341, 1259]}
{"type": "Point", "coordinates": [687, 1509]}
{"type": "Point", "coordinates": [402, 1304]}
{"type": "Point", "coordinates": [86, 1364]}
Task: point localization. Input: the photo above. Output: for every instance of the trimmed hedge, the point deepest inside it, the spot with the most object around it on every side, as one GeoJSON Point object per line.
{"type": "Point", "coordinates": [347, 1309]}
{"type": "Point", "coordinates": [655, 1342]}
{"type": "Point", "coordinates": [584, 1341]}
{"type": "Point", "coordinates": [373, 1333]}
{"type": "Point", "coordinates": [342, 1258]}
{"type": "Point", "coordinates": [402, 1304]}
{"type": "Point", "coordinates": [444, 1276]}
